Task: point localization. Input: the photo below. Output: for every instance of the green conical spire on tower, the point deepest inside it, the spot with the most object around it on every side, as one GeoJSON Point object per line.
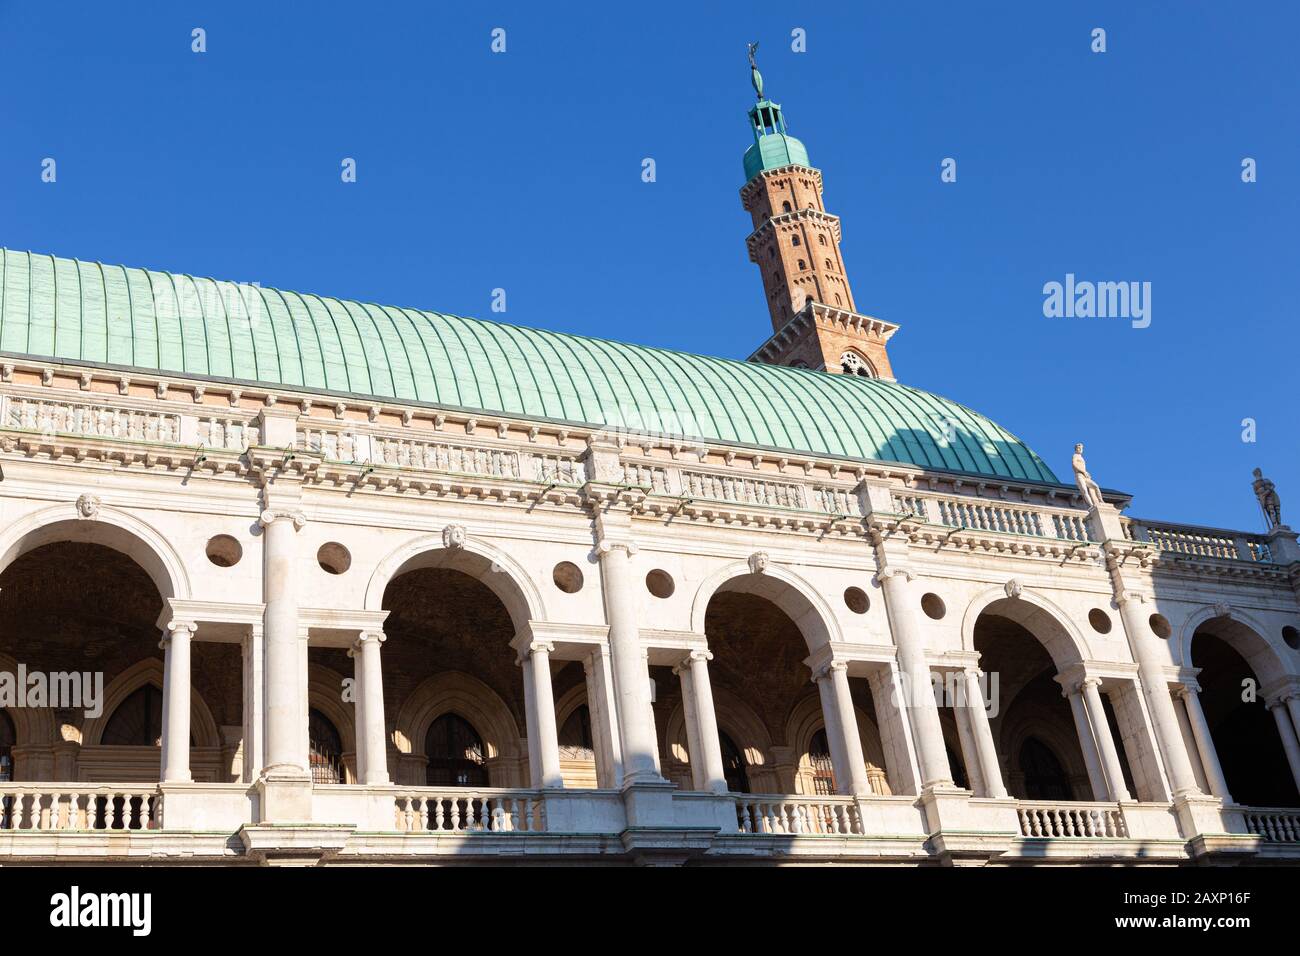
{"type": "Point", "coordinates": [773, 147]}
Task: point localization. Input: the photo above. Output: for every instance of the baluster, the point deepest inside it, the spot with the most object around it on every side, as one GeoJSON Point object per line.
{"type": "Point", "coordinates": [498, 816]}
{"type": "Point", "coordinates": [24, 812]}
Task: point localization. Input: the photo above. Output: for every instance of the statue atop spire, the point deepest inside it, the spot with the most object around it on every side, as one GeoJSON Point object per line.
{"type": "Point", "coordinates": [755, 77]}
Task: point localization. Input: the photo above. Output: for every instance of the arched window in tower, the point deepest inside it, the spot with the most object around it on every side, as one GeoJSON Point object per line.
{"type": "Point", "coordinates": [819, 755]}
{"type": "Point", "coordinates": [829, 266]}
{"type": "Point", "coordinates": [325, 749]}
{"type": "Point", "coordinates": [457, 757]}
{"type": "Point", "coordinates": [1045, 778]}
{"type": "Point", "coordinates": [785, 207]}
{"type": "Point", "coordinates": [733, 765]}
{"type": "Point", "coordinates": [794, 240]}
{"type": "Point", "coordinates": [821, 240]}
{"type": "Point", "coordinates": [802, 265]}
{"type": "Point", "coordinates": [838, 300]}
{"type": "Point", "coordinates": [137, 722]}
{"type": "Point", "coordinates": [851, 363]}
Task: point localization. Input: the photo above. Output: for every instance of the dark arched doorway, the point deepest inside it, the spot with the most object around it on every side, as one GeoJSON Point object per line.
{"type": "Point", "coordinates": [1244, 732]}
{"type": "Point", "coordinates": [457, 757]}
{"type": "Point", "coordinates": [326, 749]}
{"type": "Point", "coordinates": [1044, 777]}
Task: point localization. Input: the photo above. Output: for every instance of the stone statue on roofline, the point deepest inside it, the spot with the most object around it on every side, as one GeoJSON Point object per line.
{"type": "Point", "coordinates": [1090, 490]}
{"type": "Point", "coordinates": [1269, 503]}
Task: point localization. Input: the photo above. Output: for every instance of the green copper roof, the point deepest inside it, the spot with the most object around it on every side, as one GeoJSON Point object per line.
{"type": "Point", "coordinates": [104, 315]}
{"type": "Point", "coordinates": [773, 147]}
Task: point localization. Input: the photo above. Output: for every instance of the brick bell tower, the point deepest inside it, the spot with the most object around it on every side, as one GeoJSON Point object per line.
{"type": "Point", "coordinates": [796, 245]}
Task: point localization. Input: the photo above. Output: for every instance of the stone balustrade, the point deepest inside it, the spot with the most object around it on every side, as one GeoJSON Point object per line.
{"type": "Point", "coordinates": [783, 814]}
{"type": "Point", "coordinates": [89, 420]}
{"type": "Point", "coordinates": [1275, 826]}
{"type": "Point", "coordinates": [1087, 820]}
{"type": "Point", "coordinates": [137, 419]}
{"type": "Point", "coordinates": [464, 811]}
{"type": "Point", "coordinates": [1198, 542]}
{"type": "Point", "coordinates": [66, 806]}
{"type": "Point", "coordinates": [982, 514]}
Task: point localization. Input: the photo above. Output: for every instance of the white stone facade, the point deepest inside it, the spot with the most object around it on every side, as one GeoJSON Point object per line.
{"type": "Point", "coordinates": [308, 484]}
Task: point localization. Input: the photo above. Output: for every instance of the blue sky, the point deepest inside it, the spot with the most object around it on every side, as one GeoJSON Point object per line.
{"type": "Point", "coordinates": [522, 171]}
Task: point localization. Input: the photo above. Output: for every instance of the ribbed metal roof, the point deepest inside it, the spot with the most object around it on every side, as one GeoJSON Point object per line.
{"type": "Point", "coordinates": [106, 315]}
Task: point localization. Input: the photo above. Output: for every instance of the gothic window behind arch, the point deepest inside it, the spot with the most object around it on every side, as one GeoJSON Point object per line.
{"type": "Point", "coordinates": [819, 755]}
{"type": "Point", "coordinates": [326, 749]}
{"type": "Point", "coordinates": [838, 300]}
{"type": "Point", "coordinates": [457, 757]}
{"type": "Point", "coordinates": [1045, 778]}
{"type": "Point", "coordinates": [957, 769]}
{"type": "Point", "coordinates": [733, 765]}
{"type": "Point", "coordinates": [851, 363]}
{"type": "Point", "coordinates": [575, 735]}
{"type": "Point", "coordinates": [821, 240]}
{"type": "Point", "coordinates": [8, 738]}
{"type": "Point", "coordinates": [137, 722]}
{"type": "Point", "coordinates": [829, 266]}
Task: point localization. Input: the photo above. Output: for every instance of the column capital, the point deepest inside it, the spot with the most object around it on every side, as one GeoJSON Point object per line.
{"type": "Point", "coordinates": [1090, 682]}
{"type": "Point", "coordinates": [699, 654]}
{"type": "Point", "coordinates": [270, 515]}
{"type": "Point", "coordinates": [1278, 701]}
{"type": "Point", "coordinates": [828, 669]}
{"type": "Point", "coordinates": [607, 544]}
{"type": "Point", "coordinates": [1188, 689]}
{"type": "Point", "coordinates": [885, 574]}
{"type": "Point", "coordinates": [527, 650]}
{"type": "Point", "coordinates": [367, 637]}
{"type": "Point", "coordinates": [183, 629]}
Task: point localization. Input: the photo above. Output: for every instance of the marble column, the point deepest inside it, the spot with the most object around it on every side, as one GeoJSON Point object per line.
{"type": "Point", "coordinates": [1110, 761]}
{"type": "Point", "coordinates": [254, 732]}
{"type": "Point", "coordinates": [540, 700]}
{"type": "Point", "coordinates": [918, 697]}
{"type": "Point", "coordinates": [359, 707]}
{"type": "Point", "coordinates": [1286, 730]}
{"type": "Point", "coordinates": [176, 703]}
{"type": "Point", "coordinates": [987, 752]}
{"type": "Point", "coordinates": [1087, 743]}
{"type": "Point", "coordinates": [372, 736]}
{"type": "Point", "coordinates": [1205, 744]}
{"type": "Point", "coordinates": [285, 697]}
{"type": "Point", "coordinates": [837, 702]}
{"type": "Point", "coordinates": [604, 721]}
{"type": "Point", "coordinates": [694, 752]}
{"type": "Point", "coordinates": [1147, 651]}
{"type": "Point", "coordinates": [631, 683]}
{"type": "Point", "coordinates": [969, 751]}
{"type": "Point", "coordinates": [709, 744]}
